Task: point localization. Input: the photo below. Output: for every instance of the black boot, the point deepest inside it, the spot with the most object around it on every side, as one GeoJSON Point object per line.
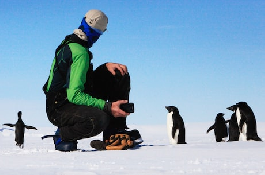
{"type": "Point", "coordinates": [135, 136]}
{"type": "Point", "coordinates": [63, 145]}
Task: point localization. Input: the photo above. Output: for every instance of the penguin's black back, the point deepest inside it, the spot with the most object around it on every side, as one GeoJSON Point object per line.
{"type": "Point", "coordinates": [178, 123]}
{"type": "Point", "coordinates": [20, 130]}
{"type": "Point", "coordinates": [220, 129]}
{"type": "Point", "coordinates": [233, 128]}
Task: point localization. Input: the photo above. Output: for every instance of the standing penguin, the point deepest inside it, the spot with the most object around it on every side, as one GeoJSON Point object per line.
{"type": "Point", "coordinates": [175, 126]}
{"type": "Point", "coordinates": [220, 128]}
{"type": "Point", "coordinates": [233, 125]}
{"type": "Point", "coordinates": [19, 130]}
{"type": "Point", "coordinates": [248, 121]}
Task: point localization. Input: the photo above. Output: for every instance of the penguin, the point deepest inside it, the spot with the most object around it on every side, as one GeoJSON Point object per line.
{"type": "Point", "coordinates": [20, 130]}
{"type": "Point", "coordinates": [233, 125]}
{"type": "Point", "coordinates": [175, 126]}
{"type": "Point", "coordinates": [220, 128]}
{"type": "Point", "coordinates": [247, 125]}
{"type": "Point", "coordinates": [237, 125]}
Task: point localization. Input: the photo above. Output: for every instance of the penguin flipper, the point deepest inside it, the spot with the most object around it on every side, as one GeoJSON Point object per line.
{"type": "Point", "coordinates": [173, 133]}
{"type": "Point", "coordinates": [30, 127]}
{"type": "Point", "coordinates": [9, 124]}
{"type": "Point", "coordinates": [210, 128]}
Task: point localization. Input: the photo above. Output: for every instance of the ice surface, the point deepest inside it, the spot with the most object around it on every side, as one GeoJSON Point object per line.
{"type": "Point", "coordinates": [202, 155]}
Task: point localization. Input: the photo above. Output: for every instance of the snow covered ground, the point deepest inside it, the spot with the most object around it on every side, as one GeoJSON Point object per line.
{"type": "Point", "coordinates": [202, 155]}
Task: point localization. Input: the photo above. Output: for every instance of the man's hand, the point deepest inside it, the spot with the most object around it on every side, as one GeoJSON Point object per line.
{"type": "Point", "coordinates": [116, 111]}
{"type": "Point", "coordinates": [112, 66]}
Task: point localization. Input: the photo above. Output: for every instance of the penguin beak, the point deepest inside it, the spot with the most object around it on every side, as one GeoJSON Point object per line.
{"type": "Point", "coordinates": [231, 108]}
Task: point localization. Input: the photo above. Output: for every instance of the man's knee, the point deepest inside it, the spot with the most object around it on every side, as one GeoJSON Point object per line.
{"type": "Point", "coordinates": [98, 119]}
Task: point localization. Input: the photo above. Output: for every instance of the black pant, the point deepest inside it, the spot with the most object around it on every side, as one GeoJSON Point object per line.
{"type": "Point", "coordinates": [76, 122]}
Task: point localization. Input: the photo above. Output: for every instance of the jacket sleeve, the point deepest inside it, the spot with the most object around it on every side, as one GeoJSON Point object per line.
{"type": "Point", "coordinates": [77, 80]}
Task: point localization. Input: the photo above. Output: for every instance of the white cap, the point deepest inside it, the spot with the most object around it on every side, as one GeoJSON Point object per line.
{"type": "Point", "coordinates": [97, 19]}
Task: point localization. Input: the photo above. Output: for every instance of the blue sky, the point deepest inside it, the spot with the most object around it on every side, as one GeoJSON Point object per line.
{"type": "Point", "coordinates": [201, 56]}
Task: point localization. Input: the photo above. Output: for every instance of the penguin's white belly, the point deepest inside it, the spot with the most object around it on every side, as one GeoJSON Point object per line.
{"type": "Point", "coordinates": [243, 134]}
{"type": "Point", "coordinates": [169, 129]}
{"type": "Point", "coordinates": [238, 116]}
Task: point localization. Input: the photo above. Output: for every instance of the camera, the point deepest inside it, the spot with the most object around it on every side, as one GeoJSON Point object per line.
{"type": "Point", "coordinates": [127, 107]}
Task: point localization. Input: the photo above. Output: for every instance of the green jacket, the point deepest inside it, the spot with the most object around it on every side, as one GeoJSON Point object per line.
{"type": "Point", "coordinates": [70, 72]}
